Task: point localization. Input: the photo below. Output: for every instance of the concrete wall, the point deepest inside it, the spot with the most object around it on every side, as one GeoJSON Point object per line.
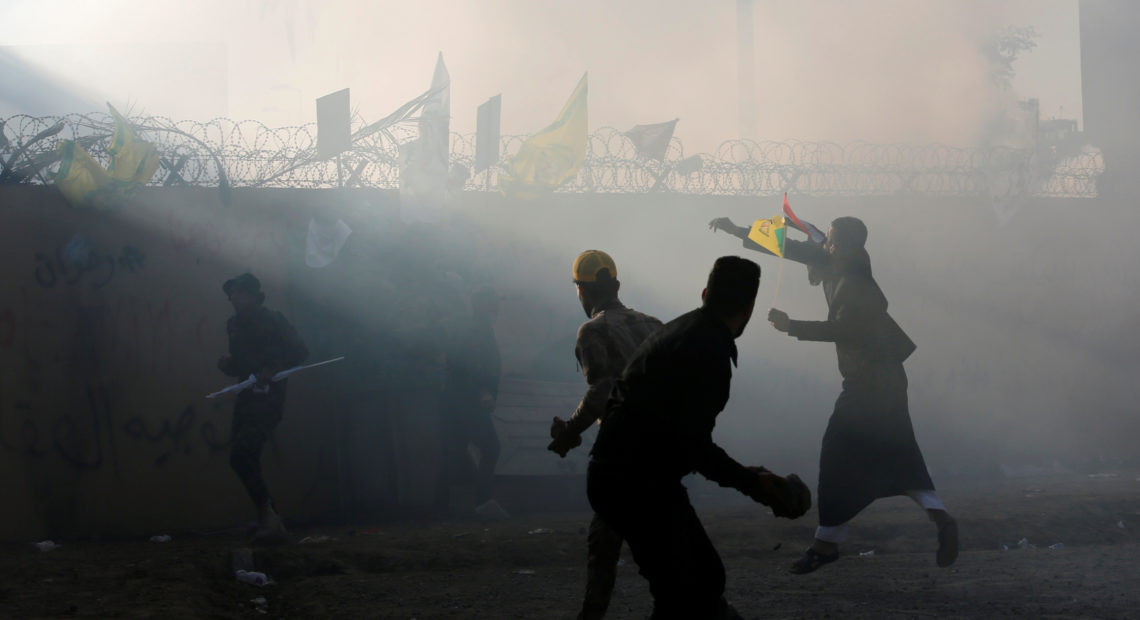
{"type": "Point", "coordinates": [111, 324]}
{"type": "Point", "coordinates": [108, 348]}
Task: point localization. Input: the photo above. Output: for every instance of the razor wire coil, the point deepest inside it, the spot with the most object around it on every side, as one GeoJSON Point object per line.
{"type": "Point", "coordinates": [251, 154]}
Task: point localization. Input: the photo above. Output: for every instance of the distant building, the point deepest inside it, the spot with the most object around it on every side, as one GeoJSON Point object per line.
{"type": "Point", "coordinates": [1110, 90]}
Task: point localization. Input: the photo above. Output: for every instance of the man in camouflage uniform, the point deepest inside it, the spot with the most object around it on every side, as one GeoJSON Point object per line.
{"type": "Point", "coordinates": [605, 343]}
{"type": "Point", "coordinates": [261, 343]}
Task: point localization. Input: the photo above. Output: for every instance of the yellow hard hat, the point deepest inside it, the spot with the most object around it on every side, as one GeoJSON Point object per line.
{"type": "Point", "coordinates": [590, 263]}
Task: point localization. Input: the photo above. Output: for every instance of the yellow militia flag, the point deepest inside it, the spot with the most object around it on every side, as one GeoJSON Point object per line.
{"type": "Point", "coordinates": [552, 156]}
{"type": "Point", "coordinates": [81, 180]}
{"type": "Point", "coordinates": [769, 234]}
{"type": "Point", "coordinates": [133, 161]}
{"type": "Point", "coordinates": [84, 182]}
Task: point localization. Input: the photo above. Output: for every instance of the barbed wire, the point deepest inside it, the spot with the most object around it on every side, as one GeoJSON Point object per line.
{"type": "Point", "coordinates": [250, 154]}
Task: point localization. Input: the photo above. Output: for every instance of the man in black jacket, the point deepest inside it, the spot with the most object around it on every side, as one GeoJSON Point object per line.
{"type": "Point", "coordinates": [261, 343]}
{"type": "Point", "coordinates": [869, 450]}
{"type": "Point", "coordinates": [659, 429]}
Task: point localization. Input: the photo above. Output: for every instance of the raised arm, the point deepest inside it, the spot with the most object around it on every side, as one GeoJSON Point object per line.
{"type": "Point", "coordinates": [725, 224]}
{"type": "Point", "coordinates": [804, 252]}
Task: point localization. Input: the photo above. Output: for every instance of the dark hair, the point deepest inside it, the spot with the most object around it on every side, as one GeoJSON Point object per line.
{"type": "Point", "coordinates": [851, 230]}
{"type": "Point", "coordinates": [732, 285]}
{"type": "Point", "coordinates": [605, 285]}
{"type": "Point", "coordinates": [246, 282]}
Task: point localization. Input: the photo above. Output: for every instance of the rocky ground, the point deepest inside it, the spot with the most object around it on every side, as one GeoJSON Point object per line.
{"type": "Point", "coordinates": [532, 566]}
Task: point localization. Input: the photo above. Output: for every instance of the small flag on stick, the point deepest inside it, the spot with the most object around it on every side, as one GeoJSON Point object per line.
{"type": "Point", "coordinates": [814, 233]}
{"type": "Point", "coordinates": [769, 234]}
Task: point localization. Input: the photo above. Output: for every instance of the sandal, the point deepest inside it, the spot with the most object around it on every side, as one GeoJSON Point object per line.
{"type": "Point", "coordinates": [947, 543]}
{"type": "Point", "coordinates": [812, 560]}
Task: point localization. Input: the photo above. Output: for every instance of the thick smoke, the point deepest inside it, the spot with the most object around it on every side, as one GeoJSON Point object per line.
{"type": "Point", "coordinates": [1018, 324]}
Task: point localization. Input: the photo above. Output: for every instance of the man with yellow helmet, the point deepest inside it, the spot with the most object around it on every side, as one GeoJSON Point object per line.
{"type": "Point", "coordinates": [605, 342]}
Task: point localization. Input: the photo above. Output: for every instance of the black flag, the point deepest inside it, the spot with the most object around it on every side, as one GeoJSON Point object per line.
{"type": "Point", "coordinates": [652, 141]}
{"type": "Point", "coordinates": [487, 134]}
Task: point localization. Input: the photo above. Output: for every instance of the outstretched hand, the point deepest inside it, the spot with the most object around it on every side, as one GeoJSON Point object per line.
{"type": "Point", "coordinates": [725, 224]}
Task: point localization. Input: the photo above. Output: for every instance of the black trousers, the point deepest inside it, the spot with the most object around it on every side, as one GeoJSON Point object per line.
{"type": "Point", "coordinates": [603, 550]}
{"type": "Point", "coordinates": [668, 542]}
{"type": "Point", "coordinates": [255, 417]}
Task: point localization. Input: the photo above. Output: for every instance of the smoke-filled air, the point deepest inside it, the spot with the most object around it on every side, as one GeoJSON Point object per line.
{"type": "Point", "coordinates": [452, 309]}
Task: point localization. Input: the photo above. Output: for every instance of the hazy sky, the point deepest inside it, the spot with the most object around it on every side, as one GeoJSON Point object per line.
{"type": "Point", "coordinates": [881, 70]}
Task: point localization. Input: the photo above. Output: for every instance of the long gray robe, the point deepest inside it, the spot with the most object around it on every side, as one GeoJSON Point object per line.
{"type": "Point", "coordinates": [869, 450]}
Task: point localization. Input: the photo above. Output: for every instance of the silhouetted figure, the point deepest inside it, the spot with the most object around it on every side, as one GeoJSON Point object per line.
{"type": "Point", "coordinates": [605, 343]}
{"type": "Point", "coordinates": [659, 429]}
{"type": "Point", "coordinates": [261, 343]}
{"type": "Point", "coordinates": [869, 450]}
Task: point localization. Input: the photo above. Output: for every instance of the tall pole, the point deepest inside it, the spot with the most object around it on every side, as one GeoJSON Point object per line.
{"type": "Point", "coordinates": [746, 69]}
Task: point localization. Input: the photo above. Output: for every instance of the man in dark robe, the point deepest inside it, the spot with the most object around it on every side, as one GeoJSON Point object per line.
{"type": "Point", "coordinates": [869, 450]}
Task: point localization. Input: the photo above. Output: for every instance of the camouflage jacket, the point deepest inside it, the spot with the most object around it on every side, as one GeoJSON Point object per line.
{"type": "Point", "coordinates": [605, 343]}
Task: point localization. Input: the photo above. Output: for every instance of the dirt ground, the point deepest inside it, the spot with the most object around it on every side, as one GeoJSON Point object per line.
{"type": "Point", "coordinates": [468, 569]}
